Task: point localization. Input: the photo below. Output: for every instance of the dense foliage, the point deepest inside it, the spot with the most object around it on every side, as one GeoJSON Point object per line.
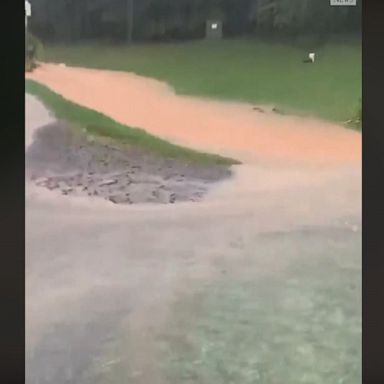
{"type": "Point", "coordinates": [33, 48]}
{"type": "Point", "coordinates": [182, 19]}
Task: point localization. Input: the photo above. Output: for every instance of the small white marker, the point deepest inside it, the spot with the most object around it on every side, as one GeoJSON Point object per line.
{"type": "Point", "coordinates": [312, 57]}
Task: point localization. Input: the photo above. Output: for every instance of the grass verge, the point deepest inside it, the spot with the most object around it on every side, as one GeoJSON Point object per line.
{"type": "Point", "coordinates": [97, 125]}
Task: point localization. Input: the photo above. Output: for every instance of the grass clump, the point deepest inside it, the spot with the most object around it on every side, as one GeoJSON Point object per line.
{"type": "Point", "coordinates": [357, 119]}
{"type": "Point", "coordinates": [97, 125]}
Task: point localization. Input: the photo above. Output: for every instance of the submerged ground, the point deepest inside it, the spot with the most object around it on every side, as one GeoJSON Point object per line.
{"type": "Point", "coordinates": [258, 283]}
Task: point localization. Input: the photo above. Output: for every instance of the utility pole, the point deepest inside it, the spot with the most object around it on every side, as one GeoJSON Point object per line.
{"type": "Point", "coordinates": [130, 10]}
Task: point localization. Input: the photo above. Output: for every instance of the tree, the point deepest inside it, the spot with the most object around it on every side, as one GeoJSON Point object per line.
{"type": "Point", "coordinates": [181, 19]}
{"type": "Point", "coordinates": [130, 19]}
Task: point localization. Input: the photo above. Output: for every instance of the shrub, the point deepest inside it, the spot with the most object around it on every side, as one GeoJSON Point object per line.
{"type": "Point", "coordinates": [33, 50]}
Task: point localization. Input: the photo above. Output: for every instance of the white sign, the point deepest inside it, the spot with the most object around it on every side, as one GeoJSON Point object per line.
{"type": "Point", "coordinates": [214, 26]}
{"type": "Point", "coordinates": [27, 9]}
{"type": "Point", "coordinates": [312, 57]}
{"type": "Point", "coordinates": [343, 2]}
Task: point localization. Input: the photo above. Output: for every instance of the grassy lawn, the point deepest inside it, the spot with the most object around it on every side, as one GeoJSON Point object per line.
{"type": "Point", "coordinates": [289, 327]}
{"type": "Point", "coordinates": [288, 313]}
{"type": "Point", "coordinates": [96, 124]}
{"type": "Point", "coordinates": [244, 70]}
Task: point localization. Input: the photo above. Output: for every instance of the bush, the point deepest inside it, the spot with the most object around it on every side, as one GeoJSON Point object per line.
{"type": "Point", "coordinates": [32, 52]}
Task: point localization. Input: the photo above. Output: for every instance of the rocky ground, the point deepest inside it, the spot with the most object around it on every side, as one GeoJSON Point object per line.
{"type": "Point", "coordinates": [60, 158]}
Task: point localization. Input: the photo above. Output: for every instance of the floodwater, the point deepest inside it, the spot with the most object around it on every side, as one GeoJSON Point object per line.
{"type": "Point", "coordinates": [259, 282]}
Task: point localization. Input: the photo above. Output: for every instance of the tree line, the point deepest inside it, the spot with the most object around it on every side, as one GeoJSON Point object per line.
{"type": "Point", "coordinates": [127, 20]}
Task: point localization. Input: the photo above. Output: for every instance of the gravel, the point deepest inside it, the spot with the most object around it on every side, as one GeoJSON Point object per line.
{"type": "Point", "coordinates": [60, 158]}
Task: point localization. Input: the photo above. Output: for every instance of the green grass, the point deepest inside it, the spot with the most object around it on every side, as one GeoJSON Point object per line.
{"type": "Point", "coordinates": [292, 326]}
{"type": "Point", "coordinates": [244, 70]}
{"type": "Point", "coordinates": [96, 125]}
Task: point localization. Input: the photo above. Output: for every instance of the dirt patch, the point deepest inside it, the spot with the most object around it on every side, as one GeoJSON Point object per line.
{"type": "Point", "coordinates": [60, 158]}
